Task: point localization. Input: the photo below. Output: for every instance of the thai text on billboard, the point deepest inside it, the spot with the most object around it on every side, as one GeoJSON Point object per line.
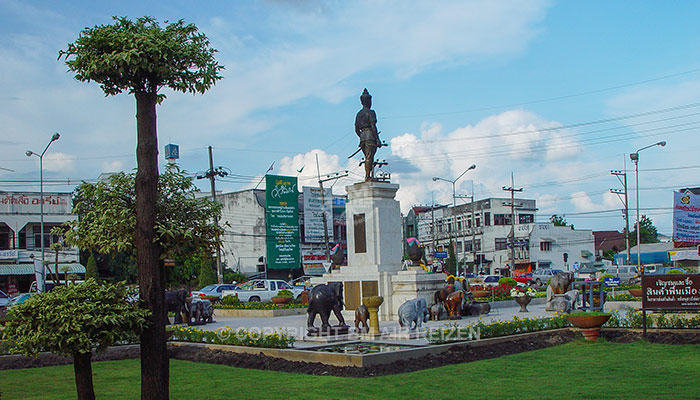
{"type": "Point", "coordinates": [671, 292]}
{"type": "Point", "coordinates": [282, 214]}
{"type": "Point", "coordinates": [686, 217]}
{"type": "Point", "coordinates": [30, 203]}
{"type": "Point", "coordinates": [314, 208]}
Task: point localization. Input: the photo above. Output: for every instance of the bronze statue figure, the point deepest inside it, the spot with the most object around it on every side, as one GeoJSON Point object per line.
{"type": "Point", "coordinates": [366, 129]}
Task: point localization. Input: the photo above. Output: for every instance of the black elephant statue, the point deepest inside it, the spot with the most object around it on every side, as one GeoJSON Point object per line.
{"type": "Point", "coordinates": [176, 301]}
{"type": "Point", "coordinates": [322, 300]}
{"type": "Point", "coordinates": [362, 318]}
{"type": "Point", "coordinates": [201, 312]}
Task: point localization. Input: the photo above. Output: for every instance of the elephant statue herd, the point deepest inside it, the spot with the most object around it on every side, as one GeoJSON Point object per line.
{"type": "Point", "coordinates": [324, 299]}
{"type": "Point", "coordinates": [196, 311]}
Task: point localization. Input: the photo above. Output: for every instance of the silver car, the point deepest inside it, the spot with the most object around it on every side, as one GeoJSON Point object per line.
{"type": "Point", "coordinates": [627, 273]}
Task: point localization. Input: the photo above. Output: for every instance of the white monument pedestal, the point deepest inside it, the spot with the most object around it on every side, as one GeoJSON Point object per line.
{"type": "Point", "coordinates": [374, 254]}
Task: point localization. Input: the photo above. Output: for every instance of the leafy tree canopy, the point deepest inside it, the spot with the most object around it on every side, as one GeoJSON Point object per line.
{"type": "Point", "coordinates": [647, 232]}
{"type": "Point", "coordinates": [107, 216]}
{"type": "Point", "coordinates": [558, 220]}
{"type": "Point", "coordinates": [74, 319]}
{"type": "Point", "coordinates": [140, 56]}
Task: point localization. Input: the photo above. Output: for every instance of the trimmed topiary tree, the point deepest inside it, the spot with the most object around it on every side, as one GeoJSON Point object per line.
{"type": "Point", "coordinates": [73, 321]}
{"type": "Point", "coordinates": [507, 281]}
{"type": "Point", "coordinates": [602, 277]}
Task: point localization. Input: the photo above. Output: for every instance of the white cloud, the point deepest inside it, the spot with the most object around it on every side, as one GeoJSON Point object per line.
{"type": "Point", "coordinates": [59, 162]}
{"type": "Point", "coordinates": [112, 166]}
{"type": "Point", "coordinates": [514, 140]}
{"type": "Point", "coordinates": [582, 202]}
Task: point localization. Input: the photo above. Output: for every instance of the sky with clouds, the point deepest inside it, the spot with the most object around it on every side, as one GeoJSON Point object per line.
{"type": "Point", "coordinates": [557, 93]}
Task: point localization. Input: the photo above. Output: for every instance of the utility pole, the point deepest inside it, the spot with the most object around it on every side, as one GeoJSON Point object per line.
{"type": "Point", "coordinates": [211, 175]}
{"type": "Point", "coordinates": [618, 192]}
{"type": "Point", "coordinates": [512, 191]}
{"type": "Point", "coordinates": [432, 223]}
{"type": "Point", "coordinates": [327, 178]}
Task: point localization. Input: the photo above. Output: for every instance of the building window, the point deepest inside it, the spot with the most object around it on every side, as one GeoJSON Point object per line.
{"type": "Point", "coordinates": [477, 245]}
{"type": "Point", "coordinates": [545, 246]}
{"type": "Point", "coordinates": [501, 219]}
{"type": "Point", "coordinates": [22, 239]}
{"type": "Point", "coordinates": [4, 238]}
{"type": "Point", "coordinates": [526, 218]}
{"type": "Point", "coordinates": [501, 243]}
{"type": "Point", "coordinates": [487, 219]}
{"type": "Point", "coordinates": [459, 225]}
{"type": "Point", "coordinates": [468, 245]}
{"type": "Point", "coordinates": [449, 227]}
{"type": "Point", "coordinates": [459, 246]}
{"type": "Point", "coordinates": [409, 231]}
{"type": "Point", "coordinates": [439, 227]}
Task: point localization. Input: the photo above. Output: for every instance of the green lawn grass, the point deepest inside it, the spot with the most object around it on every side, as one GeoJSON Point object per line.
{"type": "Point", "coordinates": [575, 370]}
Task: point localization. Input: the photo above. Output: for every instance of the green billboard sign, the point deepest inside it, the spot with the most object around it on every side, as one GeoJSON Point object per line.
{"type": "Point", "coordinates": [282, 203]}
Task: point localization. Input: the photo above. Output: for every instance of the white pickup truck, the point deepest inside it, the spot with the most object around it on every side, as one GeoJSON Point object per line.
{"type": "Point", "coordinates": [261, 290]}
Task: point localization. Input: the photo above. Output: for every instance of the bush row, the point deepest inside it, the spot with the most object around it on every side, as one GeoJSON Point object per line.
{"type": "Point", "coordinates": [236, 337]}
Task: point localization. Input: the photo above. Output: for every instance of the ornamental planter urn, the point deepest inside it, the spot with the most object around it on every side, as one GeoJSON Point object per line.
{"type": "Point", "coordinates": [589, 324]}
{"type": "Point", "coordinates": [523, 301]}
{"type": "Point", "coordinates": [281, 300]}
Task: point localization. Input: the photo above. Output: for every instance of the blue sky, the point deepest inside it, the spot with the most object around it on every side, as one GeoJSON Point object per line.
{"type": "Point", "coordinates": [510, 86]}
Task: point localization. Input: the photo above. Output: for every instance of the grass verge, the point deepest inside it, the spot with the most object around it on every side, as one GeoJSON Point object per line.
{"type": "Point", "coordinates": [575, 370]}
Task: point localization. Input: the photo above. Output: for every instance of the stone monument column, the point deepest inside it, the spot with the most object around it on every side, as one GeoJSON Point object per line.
{"type": "Point", "coordinates": [374, 226]}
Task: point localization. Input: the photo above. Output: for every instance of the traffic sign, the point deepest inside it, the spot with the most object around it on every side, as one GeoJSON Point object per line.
{"type": "Point", "coordinates": [612, 282]}
{"type": "Point", "coordinates": [440, 254]}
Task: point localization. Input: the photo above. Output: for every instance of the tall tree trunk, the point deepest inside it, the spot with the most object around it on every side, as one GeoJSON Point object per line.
{"type": "Point", "coordinates": [83, 376]}
{"type": "Point", "coordinates": [154, 352]}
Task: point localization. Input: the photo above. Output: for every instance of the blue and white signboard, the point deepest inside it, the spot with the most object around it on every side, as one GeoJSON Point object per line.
{"type": "Point", "coordinates": [686, 217]}
{"type": "Point", "coordinates": [612, 282]}
{"type": "Point", "coordinates": [440, 254]}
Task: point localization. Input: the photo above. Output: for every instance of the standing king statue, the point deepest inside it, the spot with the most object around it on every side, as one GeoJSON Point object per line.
{"type": "Point", "coordinates": [366, 129]}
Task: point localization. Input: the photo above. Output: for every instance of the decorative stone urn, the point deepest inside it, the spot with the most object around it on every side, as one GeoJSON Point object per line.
{"type": "Point", "coordinates": [373, 303]}
{"type": "Point", "coordinates": [281, 300]}
{"type": "Point", "coordinates": [523, 301]}
{"type": "Point", "coordinates": [635, 292]}
{"type": "Point", "coordinates": [589, 324]}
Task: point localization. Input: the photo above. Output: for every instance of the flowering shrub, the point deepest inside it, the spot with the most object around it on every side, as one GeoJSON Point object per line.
{"type": "Point", "coordinates": [507, 281]}
{"type": "Point", "coordinates": [633, 319]}
{"type": "Point", "coordinates": [236, 337]}
{"type": "Point", "coordinates": [256, 305]}
{"type": "Point", "coordinates": [622, 297]}
{"type": "Point", "coordinates": [453, 332]}
{"type": "Point", "coordinates": [518, 292]}
{"type": "Point", "coordinates": [285, 293]}
{"type": "Point", "coordinates": [230, 300]}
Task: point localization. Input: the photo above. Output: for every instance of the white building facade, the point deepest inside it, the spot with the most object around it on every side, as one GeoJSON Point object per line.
{"type": "Point", "coordinates": [20, 237]}
{"type": "Point", "coordinates": [482, 230]}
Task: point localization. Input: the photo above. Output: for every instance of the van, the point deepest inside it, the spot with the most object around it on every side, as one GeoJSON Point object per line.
{"type": "Point", "coordinates": [627, 273]}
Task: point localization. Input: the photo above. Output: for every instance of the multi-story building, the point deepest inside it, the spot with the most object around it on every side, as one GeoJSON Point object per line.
{"type": "Point", "coordinates": [481, 232]}
{"type": "Point", "coordinates": [245, 241]}
{"type": "Point", "coordinates": [20, 237]}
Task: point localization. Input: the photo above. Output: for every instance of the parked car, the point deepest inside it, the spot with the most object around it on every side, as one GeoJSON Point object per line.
{"type": "Point", "coordinates": [263, 290]}
{"type": "Point", "coordinates": [213, 292]}
{"type": "Point", "coordinates": [525, 278]}
{"type": "Point", "coordinates": [542, 275]}
{"type": "Point", "coordinates": [663, 270]}
{"type": "Point", "coordinates": [492, 280]}
{"type": "Point", "coordinates": [627, 273]}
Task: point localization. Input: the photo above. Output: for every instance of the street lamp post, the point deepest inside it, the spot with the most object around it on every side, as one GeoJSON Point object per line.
{"type": "Point", "coordinates": [635, 159]}
{"type": "Point", "coordinates": [30, 153]}
{"type": "Point", "coordinates": [454, 207]}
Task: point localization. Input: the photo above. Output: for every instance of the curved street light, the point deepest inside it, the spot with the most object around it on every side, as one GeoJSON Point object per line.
{"type": "Point", "coordinates": [30, 153]}
{"type": "Point", "coordinates": [454, 202]}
